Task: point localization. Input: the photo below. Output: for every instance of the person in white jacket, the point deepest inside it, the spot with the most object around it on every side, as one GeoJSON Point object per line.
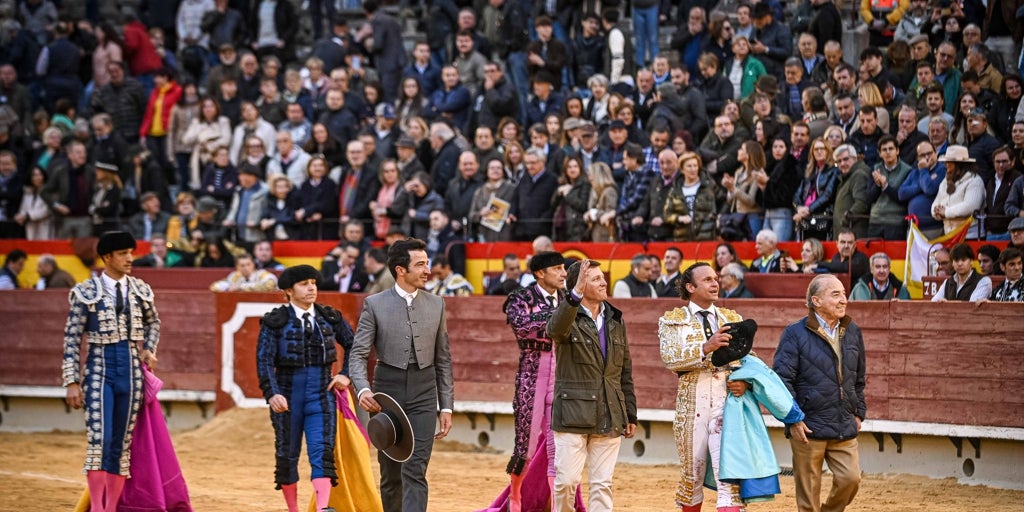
{"type": "Point", "coordinates": [961, 193]}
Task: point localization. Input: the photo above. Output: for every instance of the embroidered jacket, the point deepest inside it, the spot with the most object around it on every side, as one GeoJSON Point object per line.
{"type": "Point", "coordinates": [681, 338]}
{"type": "Point", "coordinates": [282, 344]}
{"type": "Point", "coordinates": [93, 314]}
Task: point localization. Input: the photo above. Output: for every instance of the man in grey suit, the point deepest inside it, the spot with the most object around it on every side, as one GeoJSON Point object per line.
{"type": "Point", "coordinates": [414, 366]}
{"type": "Point", "coordinates": [385, 45]}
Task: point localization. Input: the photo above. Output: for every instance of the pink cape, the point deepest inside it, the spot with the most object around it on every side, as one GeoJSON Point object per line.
{"type": "Point", "coordinates": [536, 495]}
{"type": "Point", "coordinates": [157, 484]}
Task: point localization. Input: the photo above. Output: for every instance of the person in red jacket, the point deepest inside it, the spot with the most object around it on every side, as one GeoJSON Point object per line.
{"type": "Point", "coordinates": [153, 131]}
{"type": "Point", "coordinates": [139, 52]}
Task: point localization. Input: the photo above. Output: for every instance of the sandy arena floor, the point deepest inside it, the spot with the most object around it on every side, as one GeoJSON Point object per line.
{"type": "Point", "coordinates": [229, 467]}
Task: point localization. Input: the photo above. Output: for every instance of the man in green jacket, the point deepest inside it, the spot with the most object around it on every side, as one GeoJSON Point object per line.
{"type": "Point", "coordinates": [852, 205]}
{"type": "Point", "coordinates": [880, 284]}
{"type": "Point", "coordinates": [594, 402]}
{"type": "Point", "coordinates": [888, 213]}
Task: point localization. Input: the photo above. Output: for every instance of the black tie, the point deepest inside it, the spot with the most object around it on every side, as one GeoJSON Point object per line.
{"type": "Point", "coordinates": [707, 325]}
{"type": "Point", "coordinates": [307, 327]}
{"type": "Point", "coordinates": [119, 299]}
{"type": "Point", "coordinates": [551, 300]}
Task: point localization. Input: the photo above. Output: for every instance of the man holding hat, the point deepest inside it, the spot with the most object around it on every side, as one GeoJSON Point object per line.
{"type": "Point", "coordinates": [294, 359]}
{"type": "Point", "coordinates": [693, 339]}
{"type": "Point", "coordinates": [826, 342]}
{"type": "Point", "coordinates": [528, 310]}
{"type": "Point", "coordinates": [117, 315]}
{"type": "Point", "coordinates": [409, 331]}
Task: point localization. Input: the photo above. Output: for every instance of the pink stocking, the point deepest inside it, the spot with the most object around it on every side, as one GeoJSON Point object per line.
{"type": "Point", "coordinates": [115, 484]}
{"type": "Point", "coordinates": [515, 494]}
{"type": "Point", "coordinates": [291, 496]}
{"type": "Point", "coordinates": [322, 487]}
{"type": "Point", "coordinates": [730, 509]}
{"type": "Point", "coordinates": [97, 490]}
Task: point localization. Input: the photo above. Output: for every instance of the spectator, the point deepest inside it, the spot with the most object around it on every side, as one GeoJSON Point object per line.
{"type": "Point", "coordinates": [981, 143]}
{"type": "Point", "coordinates": [296, 121]}
{"type": "Point", "coordinates": [219, 177]}
{"type": "Point", "coordinates": [1012, 289]}
{"type": "Point", "coordinates": [687, 39]}
{"type": "Point", "coordinates": [376, 268]}
{"type": "Point", "coordinates": [849, 260]}
{"type": "Point", "coordinates": [766, 243]}
{"type": "Point", "coordinates": [772, 41]}
{"type": "Point", "coordinates": [50, 275]}
{"type": "Point", "coordinates": [68, 191]}
{"type": "Point", "coordinates": [263, 256]}
{"type": "Point", "coordinates": [780, 184]}
{"type": "Point", "coordinates": [638, 282]}
{"type": "Point", "coordinates": [441, 238]}
{"type": "Point", "coordinates": [390, 183]}
{"type": "Point", "coordinates": [461, 189]}
{"type": "Point", "coordinates": [270, 103]}
{"type": "Point", "coordinates": [650, 211]}
{"type": "Point", "coordinates": [691, 205]}
{"type": "Point", "coordinates": [156, 122]}
{"type": "Point", "coordinates": [961, 194]}
{"type": "Point", "coordinates": [445, 282]}
{"type": "Point", "coordinates": [151, 220]}
{"type": "Point", "coordinates": [247, 205]}
{"type": "Point", "coordinates": [339, 119]}
{"type": "Point", "coordinates": [33, 213]}
{"type": "Point", "coordinates": [290, 160]}
{"type": "Point", "coordinates": [206, 132]}
{"type": "Point", "coordinates": [251, 125]}
{"type": "Point", "coordinates": [317, 200]}
{"type": "Point", "coordinates": [743, 69]}
{"type": "Point", "coordinates": [545, 99]}
{"type": "Point", "coordinates": [811, 253]}
{"type": "Point", "coordinates": [744, 189]}
{"type": "Point", "coordinates": [721, 147]}
{"type": "Point", "coordinates": [921, 187]}
{"type": "Point", "coordinates": [865, 139]}
{"type": "Point", "coordinates": [413, 205]}
{"type": "Point", "coordinates": [880, 284]}
{"type": "Point", "coordinates": [495, 186]}
{"type": "Point", "coordinates": [545, 53]}
{"type": "Point", "coordinates": [531, 210]}
{"type": "Point", "coordinates": [341, 270]}
{"type": "Point", "coordinates": [274, 26]}
{"type": "Point", "coordinates": [604, 196]}
{"type": "Point", "coordinates": [888, 212]}
{"type": "Point", "coordinates": [278, 217]}
{"type": "Point", "coordinates": [814, 199]}
{"type": "Point", "coordinates": [731, 279]}
{"type": "Point", "coordinates": [446, 156]}
{"type": "Point", "coordinates": [184, 220]}
{"type": "Point", "coordinates": [452, 102]}
{"type": "Point", "coordinates": [321, 142]}
{"type": "Point", "coordinates": [124, 99]}
{"type": "Point", "coordinates": [13, 265]}
{"type": "Point", "coordinates": [908, 136]}
{"type": "Point", "coordinates": [246, 278]}
{"type": "Point", "coordinates": [357, 187]}
{"type": "Point", "coordinates": [385, 46]}
{"type": "Point", "coordinates": [988, 255]}
{"type": "Point", "coordinates": [58, 66]}
{"type": "Point", "coordinates": [997, 193]}
{"type": "Point", "coordinates": [964, 284]}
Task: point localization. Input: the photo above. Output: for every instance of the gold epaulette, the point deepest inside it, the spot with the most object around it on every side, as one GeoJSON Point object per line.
{"type": "Point", "coordinates": [676, 316]}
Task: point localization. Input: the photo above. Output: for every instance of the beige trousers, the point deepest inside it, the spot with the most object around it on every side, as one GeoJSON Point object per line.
{"type": "Point", "coordinates": [844, 462]}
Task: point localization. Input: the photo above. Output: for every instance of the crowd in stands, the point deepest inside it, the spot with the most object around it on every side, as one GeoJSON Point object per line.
{"type": "Point", "coordinates": [216, 125]}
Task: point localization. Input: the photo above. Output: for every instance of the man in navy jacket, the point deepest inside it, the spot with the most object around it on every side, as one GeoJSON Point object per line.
{"type": "Point", "coordinates": [820, 358]}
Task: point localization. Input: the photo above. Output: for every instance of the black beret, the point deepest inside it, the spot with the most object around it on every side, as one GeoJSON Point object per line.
{"type": "Point", "coordinates": [298, 273]}
{"type": "Point", "coordinates": [543, 260]}
{"type": "Point", "coordinates": [742, 341]}
{"type": "Point", "coordinates": [114, 241]}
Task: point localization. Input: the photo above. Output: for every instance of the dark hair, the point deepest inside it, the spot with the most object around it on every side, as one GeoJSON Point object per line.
{"type": "Point", "coordinates": [377, 254]}
{"type": "Point", "coordinates": [687, 278]}
{"type": "Point", "coordinates": [868, 109]}
{"type": "Point", "coordinates": [15, 256]}
{"type": "Point", "coordinates": [728, 246]}
{"type": "Point", "coordinates": [969, 76]}
{"type": "Point", "coordinates": [370, 6]}
{"type": "Point", "coordinates": [989, 250]}
{"type": "Point", "coordinates": [961, 251]}
{"type": "Point", "coordinates": [1009, 254]}
{"type": "Point", "coordinates": [885, 139]}
{"type": "Point", "coordinates": [634, 151]}
{"type": "Point", "coordinates": [399, 253]}
{"type": "Point", "coordinates": [440, 260]}
{"type": "Point", "coordinates": [610, 15]}
{"type": "Point", "coordinates": [573, 274]}
{"type": "Point", "coordinates": [870, 51]}
{"type": "Point", "coordinates": [675, 249]}
{"type": "Point", "coordinates": [846, 231]}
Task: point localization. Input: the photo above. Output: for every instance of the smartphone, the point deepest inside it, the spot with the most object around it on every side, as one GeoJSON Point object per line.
{"type": "Point", "coordinates": [357, 62]}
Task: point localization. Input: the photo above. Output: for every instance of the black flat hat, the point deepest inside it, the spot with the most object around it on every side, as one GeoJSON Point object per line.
{"type": "Point", "coordinates": [742, 341]}
{"type": "Point", "coordinates": [114, 241]}
{"type": "Point", "coordinates": [543, 260]}
{"type": "Point", "coordinates": [296, 274]}
{"type": "Point", "coordinates": [390, 430]}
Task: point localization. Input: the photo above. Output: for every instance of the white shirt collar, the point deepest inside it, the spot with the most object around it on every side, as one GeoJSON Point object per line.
{"type": "Point", "coordinates": [409, 297]}
{"type": "Point", "coordinates": [299, 311]}
{"type": "Point", "coordinates": [694, 309]}
{"type": "Point", "coordinates": [109, 283]}
{"type": "Point", "coordinates": [544, 293]}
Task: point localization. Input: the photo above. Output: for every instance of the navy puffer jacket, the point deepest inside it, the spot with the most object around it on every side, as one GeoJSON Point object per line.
{"type": "Point", "coordinates": [829, 397]}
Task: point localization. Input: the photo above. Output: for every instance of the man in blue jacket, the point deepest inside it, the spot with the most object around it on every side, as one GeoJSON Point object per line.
{"type": "Point", "coordinates": [820, 358]}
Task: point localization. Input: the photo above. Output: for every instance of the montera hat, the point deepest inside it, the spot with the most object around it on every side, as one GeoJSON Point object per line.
{"type": "Point", "coordinates": [114, 241]}
{"type": "Point", "coordinates": [742, 341]}
{"type": "Point", "coordinates": [297, 274]}
{"type": "Point", "coordinates": [543, 260]}
{"type": "Point", "coordinates": [390, 430]}
{"type": "Point", "coordinates": [956, 154]}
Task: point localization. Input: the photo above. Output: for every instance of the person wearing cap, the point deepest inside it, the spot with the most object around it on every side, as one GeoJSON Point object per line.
{"type": "Point", "coordinates": [408, 164]}
{"type": "Point", "coordinates": [772, 42]}
{"type": "Point", "coordinates": [295, 353]}
{"type": "Point", "coordinates": [116, 313]}
{"type": "Point", "coordinates": [594, 404]}
{"type": "Point", "coordinates": [414, 366]}
{"type": "Point", "coordinates": [961, 193]}
{"type": "Point", "coordinates": [105, 205]}
{"type": "Point", "coordinates": [545, 99]}
{"type": "Point", "coordinates": [834, 408]}
{"type": "Point", "coordinates": [386, 130]}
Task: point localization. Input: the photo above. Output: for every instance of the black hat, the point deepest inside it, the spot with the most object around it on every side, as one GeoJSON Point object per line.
{"type": "Point", "coordinates": [543, 260]}
{"type": "Point", "coordinates": [114, 241]}
{"type": "Point", "coordinates": [544, 76]}
{"type": "Point", "coordinates": [742, 341]}
{"type": "Point", "coordinates": [390, 430]}
{"type": "Point", "coordinates": [298, 273]}
{"type": "Point", "coordinates": [617, 124]}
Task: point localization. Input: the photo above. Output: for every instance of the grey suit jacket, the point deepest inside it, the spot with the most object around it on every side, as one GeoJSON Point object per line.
{"type": "Point", "coordinates": [389, 326]}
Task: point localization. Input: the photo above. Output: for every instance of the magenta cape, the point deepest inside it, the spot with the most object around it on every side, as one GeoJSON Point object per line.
{"type": "Point", "coordinates": [536, 493]}
{"type": "Point", "coordinates": [157, 484]}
